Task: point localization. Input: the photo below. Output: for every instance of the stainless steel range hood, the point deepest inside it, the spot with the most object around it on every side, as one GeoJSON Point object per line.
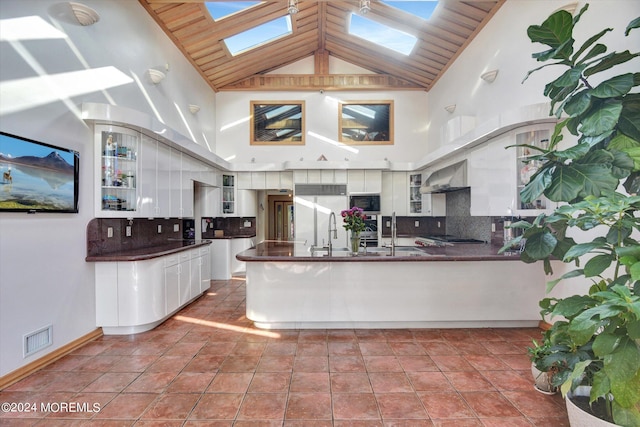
{"type": "Point", "coordinates": [450, 178]}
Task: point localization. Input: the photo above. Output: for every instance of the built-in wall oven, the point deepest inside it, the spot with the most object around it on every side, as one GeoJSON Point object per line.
{"type": "Point", "coordinates": [370, 204]}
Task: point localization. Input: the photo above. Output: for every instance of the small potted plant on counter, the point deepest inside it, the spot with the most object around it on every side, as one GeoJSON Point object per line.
{"type": "Point", "coordinates": [596, 342]}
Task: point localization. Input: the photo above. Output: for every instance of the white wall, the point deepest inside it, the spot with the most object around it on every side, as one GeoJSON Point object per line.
{"type": "Point", "coordinates": [504, 45]}
{"type": "Point", "coordinates": [321, 112]}
{"type": "Point", "coordinates": [43, 276]}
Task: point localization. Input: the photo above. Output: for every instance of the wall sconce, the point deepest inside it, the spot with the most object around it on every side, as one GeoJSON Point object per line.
{"type": "Point", "coordinates": [293, 7]}
{"type": "Point", "coordinates": [156, 76]}
{"type": "Point", "coordinates": [194, 108]}
{"type": "Point", "coordinates": [489, 76]}
{"type": "Point", "coordinates": [450, 108]}
{"type": "Point", "coordinates": [571, 8]}
{"type": "Point", "coordinates": [365, 6]}
{"type": "Point", "coordinates": [84, 14]}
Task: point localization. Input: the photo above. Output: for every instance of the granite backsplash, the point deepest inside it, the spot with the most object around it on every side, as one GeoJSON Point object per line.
{"type": "Point", "coordinates": [229, 226]}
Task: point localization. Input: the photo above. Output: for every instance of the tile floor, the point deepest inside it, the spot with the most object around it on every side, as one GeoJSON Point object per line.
{"type": "Point", "coordinates": [207, 366]}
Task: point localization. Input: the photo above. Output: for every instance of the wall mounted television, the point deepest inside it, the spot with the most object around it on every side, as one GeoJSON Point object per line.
{"type": "Point", "coordinates": [37, 177]}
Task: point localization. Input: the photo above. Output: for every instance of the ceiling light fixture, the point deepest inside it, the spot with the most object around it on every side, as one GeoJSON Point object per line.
{"type": "Point", "coordinates": [571, 8]}
{"type": "Point", "coordinates": [84, 14]}
{"type": "Point", "coordinates": [155, 75]}
{"type": "Point", "coordinates": [194, 108]}
{"type": "Point", "coordinates": [365, 6]}
{"type": "Point", "coordinates": [489, 76]}
{"type": "Point", "coordinates": [450, 108]}
{"type": "Point", "coordinates": [293, 7]}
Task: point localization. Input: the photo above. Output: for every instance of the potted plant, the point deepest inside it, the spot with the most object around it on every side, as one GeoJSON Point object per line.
{"type": "Point", "coordinates": [595, 338]}
{"type": "Point", "coordinates": [543, 373]}
{"type": "Point", "coordinates": [354, 221]}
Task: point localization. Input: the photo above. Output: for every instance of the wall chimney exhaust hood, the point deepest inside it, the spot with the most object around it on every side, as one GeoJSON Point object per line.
{"type": "Point", "coordinates": [450, 178]}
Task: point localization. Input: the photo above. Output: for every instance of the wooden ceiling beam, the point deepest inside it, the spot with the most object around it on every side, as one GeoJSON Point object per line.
{"type": "Point", "coordinates": [331, 82]}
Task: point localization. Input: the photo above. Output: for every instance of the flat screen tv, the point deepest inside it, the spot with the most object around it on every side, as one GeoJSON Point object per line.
{"type": "Point", "coordinates": [37, 177]}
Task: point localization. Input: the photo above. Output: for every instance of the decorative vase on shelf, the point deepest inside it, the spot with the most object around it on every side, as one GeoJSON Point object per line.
{"type": "Point", "coordinates": [355, 242]}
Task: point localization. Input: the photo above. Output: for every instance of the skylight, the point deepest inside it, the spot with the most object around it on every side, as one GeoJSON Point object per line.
{"type": "Point", "coordinates": [420, 8]}
{"type": "Point", "coordinates": [222, 9]}
{"type": "Point", "coordinates": [259, 35]}
{"type": "Point", "coordinates": [381, 34]}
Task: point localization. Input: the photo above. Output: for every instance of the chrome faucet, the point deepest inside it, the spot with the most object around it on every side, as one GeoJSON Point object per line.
{"type": "Point", "coordinates": [335, 231]}
{"type": "Point", "coordinates": [394, 233]}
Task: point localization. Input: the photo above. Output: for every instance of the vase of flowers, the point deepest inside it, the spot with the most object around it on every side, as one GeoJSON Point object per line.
{"type": "Point", "coordinates": [354, 222]}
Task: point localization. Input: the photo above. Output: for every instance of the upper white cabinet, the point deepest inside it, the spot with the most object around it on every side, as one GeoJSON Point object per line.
{"type": "Point", "coordinates": [116, 167]}
{"type": "Point", "coordinates": [364, 181]}
{"type": "Point", "coordinates": [279, 180]}
{"type": "Point", "coordinates": [228, 195]}
{"type": "Point", "coordinates": [394, 193]}
{"type": "Point", "coordinates": [497, 173]}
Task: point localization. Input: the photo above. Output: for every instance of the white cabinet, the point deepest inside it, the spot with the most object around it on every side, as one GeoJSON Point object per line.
{"type": "Point", "coordinates": [136, 296]}
{"type": "Point", "coordinates": [320, 176]}
{"type": "Point", "coordinates": [221, 259]}
{"type": "Point", "coordinates": [279, 180]}
{"type": "Point", "coordinates": [239, 245]}
{"type": "Point", "coordinates": [163, 179]}
{"type": "Point", "coordinates": [148, 178]}
{"type": "Point", "coordinates": [364, 181]}
{"type": "Point", "coordinates": [247, 203]}
{"type": "Point", "coordinates": [228, 194]}
{"type": "Point", "coordinates": [496, 174]}
{"type": "Point", "coordinates": [399, 195]}
{"type": "Point", "coordinates": [116, 167]}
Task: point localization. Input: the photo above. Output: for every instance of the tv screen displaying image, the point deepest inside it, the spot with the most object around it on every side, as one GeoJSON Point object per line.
{"type": "Point", "coordinates": [37, 177]}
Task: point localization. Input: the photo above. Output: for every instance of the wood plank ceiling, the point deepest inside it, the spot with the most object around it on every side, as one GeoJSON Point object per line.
{"type": "Point", "coordinates": [320, 30]}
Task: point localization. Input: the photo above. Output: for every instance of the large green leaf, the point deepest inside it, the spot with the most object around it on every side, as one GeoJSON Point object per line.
{"type": "Point", "coordinates": [629, 122]}
{"type": "Point", "coordinates": [571, 77]}
{"type": "Point", "coordinates": [610, 61]}
{"type": "Point", "coordinates": [565, 184]}
{"type": "Point", "coordinates": [541, 245]}
{"type": "Point", "coordinates": [578, 103]}
{"type": "Point", "coordinates": [537, 185]}
{"type": "Point", "coordinates": [581, 249]}
{"type": "Point", "coordinates": [554, 31]}
{"type": "Point", "coordinates": [596, 179]}
{"type": "Point", "coordinates": [601, 119]}
{"type": "Point", "coordinates": [633, 24]}
{"type": "Point", "coordinates": [596, 265]}
{"type": "Point", "coordinates": [615, 86]}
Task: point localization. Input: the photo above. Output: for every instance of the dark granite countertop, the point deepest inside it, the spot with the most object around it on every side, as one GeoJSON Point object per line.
{"type": "Point", "coordinates": [140, 254]}
{"type": "Point", "coordinates": [236, 236]}
{"type": "Point", "coordinates": [272, 251]}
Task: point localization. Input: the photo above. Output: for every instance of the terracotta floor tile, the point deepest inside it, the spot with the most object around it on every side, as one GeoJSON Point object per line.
{"type": "Point", "coordinates": [249, 348]}
{"type": "Point", "coordinates": [376, 349]}
{"type": "Point", "coordinates": [400, 406]}
{"type": "Point", "coordinates": [343, 382]}
{"type": "Point", "coordinates": [312, 335]}
{"type": "Point", "coordinates": [111, 382]}
{"type": "Point", "coordinates": [458, 422]}
{"type": "Point", "coordinates": [390, 382]}
{"type": "Point", "coordinates": [490, 404]}
{"type": "Point", "coordinates": [451, 363]}
{"type": "Point", "coordinates": [191, 382]}
{"type": "Point", "coordinates": [173, 364]}
{"type": "Point", "coordinates": [218, 348]}
{"type": "Point", "coordinates": [536, 404]}
{"type": "Point", "coordinates": [486, 362]}
{"type": "Point", "coordinates": [311, 364]}
{"type": "Point", "coordinates": [270, 382]}
{"type": "Point", "coordinates": [310, 382]}
{"type": "Point", "coordinates": [344, 349]}
{"type": "Point", "coordinates": [508, 422]}
{"type": "Point", "coordinates": [469, 381]}
{"type": "Point", "coordinates": [206, 363]}
{"type": "Point", "coordinates": [401, 348]}
{"type": "Point", "coordinates": [308, 406]}
{"type": "Point", "coordinates": [346, 364]}
{"type": "Point", "coordinates": [312, 349]}
{"type": "Point", "coordinates": [134, 363]}
{"type": "Point", "coordinates": [275, 364]}
{"type": "Point", "coordinates": [230, 382]}
{"type": "Point", "coordinates": [502, 347]}
{"type": "Point", "coordinates": [441, 405]}
{"type": "Point", "coordinates": [341, 335]}
{"type": "Point", "coordinates": [151, 382]}
{"type": "Point", "coordinates": [382, 364]}
{"type": "Point", "coordinates": [217, 406]}
{"type": "Point", "coordinates": [280, 349]}
{"type": "Point", "coordinates": [127, 406]}
{"type": "Point", "coordinates": [172, 406]}
{"type": "Point", "coordinates": [263, 406]}
{"type": "Point", "coordinates": [417, 363]}
{"type": "Point", "coordinates": [509, 380]}
{"type": "Point", "coordinates": [355, 406]}
{"type": "Point", "coordinates": [429, 381]}
{"type": "Point", "coordinates": [516, 361]}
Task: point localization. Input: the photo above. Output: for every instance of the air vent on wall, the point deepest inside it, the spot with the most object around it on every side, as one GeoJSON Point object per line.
{"type": "Point", "coordinates": [37, 340]}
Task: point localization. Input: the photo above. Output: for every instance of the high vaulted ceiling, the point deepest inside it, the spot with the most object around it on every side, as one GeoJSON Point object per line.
{"type": "Point", "coordinates": [320, 31]}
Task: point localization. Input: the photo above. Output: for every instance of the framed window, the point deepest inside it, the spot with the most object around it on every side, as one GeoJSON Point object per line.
{"type": "Point", "coordinates": [277, 123]}
{"type": "Point", "coordinates": [366, 122]}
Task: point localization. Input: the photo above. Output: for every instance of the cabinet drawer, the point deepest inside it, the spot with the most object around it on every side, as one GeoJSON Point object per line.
{"type": "Point", "coordinates": [170, 260]}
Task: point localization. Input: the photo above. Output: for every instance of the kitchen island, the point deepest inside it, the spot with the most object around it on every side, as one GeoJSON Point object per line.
{"type": "Point", "coordinates": [463, 285]}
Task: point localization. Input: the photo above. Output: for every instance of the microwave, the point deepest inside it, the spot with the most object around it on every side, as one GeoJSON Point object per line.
{"type": "Point", "coordinates": [370, 203]}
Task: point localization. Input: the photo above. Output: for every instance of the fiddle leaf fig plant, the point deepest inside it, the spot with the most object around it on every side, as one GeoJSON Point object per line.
{"type": "Point", "coordinates": [595, 338]}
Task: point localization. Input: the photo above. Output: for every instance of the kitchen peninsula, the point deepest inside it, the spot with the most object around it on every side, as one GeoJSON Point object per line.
{"type": "Point", "coordinates": [465, 285]}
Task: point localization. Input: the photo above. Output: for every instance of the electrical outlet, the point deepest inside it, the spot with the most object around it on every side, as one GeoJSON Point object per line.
{"type": "Point", "coordinates": [109, 232]}
{"type": "Point", "coordinates": [438, 224]}
{"type": "Point", "coordinates": [128, 231]}
{"type": "Point", "coordinates": [176, 227]}
{"type": "Point", "coordinates": [388, 224]}
{"type": "Point", "coordinates": [493, 227]}
{"type": "Point", "coordinates": [417, 223]}
{"type": "Point", "coordinates": [159, 228]}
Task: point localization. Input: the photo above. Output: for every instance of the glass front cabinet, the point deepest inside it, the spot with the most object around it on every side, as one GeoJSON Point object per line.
{"type": "Point", "coordinates": [525, 167]}
{"type": "Point", "coordinates": [117, 166]}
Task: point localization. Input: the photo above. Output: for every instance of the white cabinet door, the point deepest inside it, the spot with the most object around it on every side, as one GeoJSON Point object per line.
{"type": "Point", "coordinates": [399, 198]}
{"type": "Point", "coordinates": [220, 259]}
{"type": "Point", "coordinates": [386, 194]}
{"type": "Point", "coordinates": [355, 181]}
{"type": "Point", "coordinates": [205, 268]}
{"type": "Point", "coordinates": [147, 179]}
{"type": "Point", "coordinates": [185, 277]}
{"type": "Point", "coordinates": [189, 167]}
{"type": "Point", "coordinates": [196, 270]}
{"type": "Point", "coordinates": [237, 246]}
{"type": "Point", "coordinates": [247, 204]}
{"type": "Point", "coordinates": [163, 179]}
{"type": "Point", "coordinates": [172, 287]}
{"type": "Point", "coordinates": [243, 180]}
{"type": "Point", "coordinates": [176, 184]}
